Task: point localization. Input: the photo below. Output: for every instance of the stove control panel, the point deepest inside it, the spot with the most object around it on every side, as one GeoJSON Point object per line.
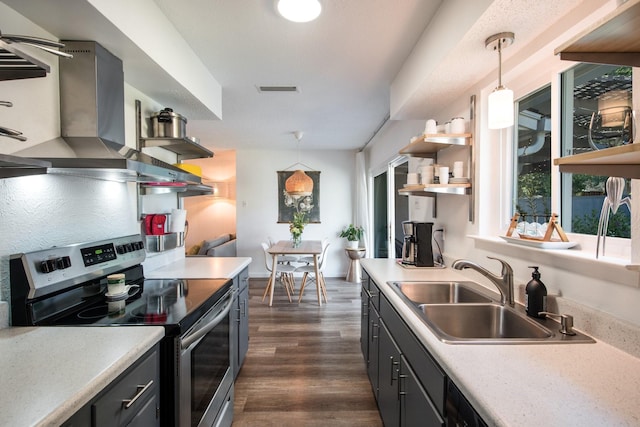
{"type": "Point", "coordinates": [57, 268]}
{"type": "Point", "coordinates": [98, 254]}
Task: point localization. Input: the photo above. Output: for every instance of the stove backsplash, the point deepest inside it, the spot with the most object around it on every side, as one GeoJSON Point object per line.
{"type": "Point", "coordinates": [42, 211]}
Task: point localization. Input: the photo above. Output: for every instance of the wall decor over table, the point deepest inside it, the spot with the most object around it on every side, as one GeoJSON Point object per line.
{"type": "Point", "coordinates": [287, 204]}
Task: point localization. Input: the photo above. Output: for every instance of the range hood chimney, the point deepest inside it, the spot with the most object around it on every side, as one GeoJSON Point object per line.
{"type": "Point", "coordinates": [92, 141]}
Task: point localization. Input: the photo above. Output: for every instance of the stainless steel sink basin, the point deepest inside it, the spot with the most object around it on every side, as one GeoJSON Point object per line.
{"type": "Point", "coordinates": [440, 292]}
{"type": "Point", "coordinates": [459, 312]}
{"type": "Point", "coordinates": [481, 322]}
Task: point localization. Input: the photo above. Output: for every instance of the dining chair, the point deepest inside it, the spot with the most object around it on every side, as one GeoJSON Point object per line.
{"type": "Point", "coordinates": [285, 270]}
{"type": "Point", "coordinates": [283, 259]}
{"type": "Point", "coordinates": [309, 259]}
{"type": "Point", "coordinates": [310, 269]}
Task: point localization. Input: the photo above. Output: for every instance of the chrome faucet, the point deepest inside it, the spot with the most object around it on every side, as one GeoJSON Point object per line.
{"type": "Point", "coordinates": [504, 283]}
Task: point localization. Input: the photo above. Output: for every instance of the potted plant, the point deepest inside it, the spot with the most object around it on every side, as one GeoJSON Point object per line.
{"type": "Point", "coordinates": [353, 235]}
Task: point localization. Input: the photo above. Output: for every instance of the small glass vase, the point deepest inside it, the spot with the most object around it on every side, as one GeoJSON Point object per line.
{"type": "Point", "coordinates": [296, 239]}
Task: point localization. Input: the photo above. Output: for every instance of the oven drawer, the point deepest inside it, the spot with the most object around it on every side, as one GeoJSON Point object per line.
{"type": "Point", "coordinates": [131, 396]}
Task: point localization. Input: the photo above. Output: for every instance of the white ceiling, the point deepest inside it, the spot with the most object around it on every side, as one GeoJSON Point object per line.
{"type": "Point", "coordinates": [344, 63]}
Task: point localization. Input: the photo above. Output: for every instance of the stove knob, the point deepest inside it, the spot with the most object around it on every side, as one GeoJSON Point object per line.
{"type": "Point", "coordinates": [48, 266]}
{"type": "Point", "coordinates": [139, 245]}
{"type": "Point", "coordinates": [120, 249]}
{"type": "Point", "coordinates": [63, 262]}
{"type": "Point", "coordinates": [44, 267]}
{"type": "Point", "coordinates": [128, 248]}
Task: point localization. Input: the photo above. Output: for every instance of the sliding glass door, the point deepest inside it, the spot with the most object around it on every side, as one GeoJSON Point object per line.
{"type": "Point", "coordinates": [389, 209]}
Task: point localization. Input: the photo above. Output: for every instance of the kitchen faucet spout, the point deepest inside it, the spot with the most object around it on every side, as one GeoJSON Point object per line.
{"type": "Point", "coordinates": [504, 282]}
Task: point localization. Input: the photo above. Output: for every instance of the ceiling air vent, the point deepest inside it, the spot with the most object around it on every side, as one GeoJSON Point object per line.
{"type": "Point", "coordinates": [286, 89]}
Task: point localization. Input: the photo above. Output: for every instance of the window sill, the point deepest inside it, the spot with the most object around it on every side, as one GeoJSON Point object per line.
{"type": "Point", "coordinates": [584, 262]}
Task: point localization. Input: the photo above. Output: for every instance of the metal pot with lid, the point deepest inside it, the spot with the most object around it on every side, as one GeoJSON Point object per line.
{"type": "Point", "coordinates": [167, 124]}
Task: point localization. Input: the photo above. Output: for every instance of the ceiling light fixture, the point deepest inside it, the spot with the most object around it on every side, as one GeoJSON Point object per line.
{"type": "Point", "coordinates": [299, 10]}
{"type": "Point", "coordinates": [500, 102]}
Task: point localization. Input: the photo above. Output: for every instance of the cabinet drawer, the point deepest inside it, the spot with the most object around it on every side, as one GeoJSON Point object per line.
{"type": "Point", "coordinates": [109, 409]}
{"type": "Point", "coordinates": [426, 369]}
{"type": "Point", "coordinates": [241, 281]}
{"type": "Point", "coordinates": [374, 295]}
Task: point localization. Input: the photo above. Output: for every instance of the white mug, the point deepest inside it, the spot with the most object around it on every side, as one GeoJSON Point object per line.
{"type": "Point", "coordinates": [444, 174]}
{"type": "Point", "coordinates": [457, 125]}
{"type": "Point", "coordinates": [116, 284]}
{"type": "Point", "coordinates": [458, 170]}
{"type": "Point", "coordinates": [412, 178]}
{"type": "Point", "coordinates": [431, 127]}
{"type": "Point", "coordinates": [426, 174]}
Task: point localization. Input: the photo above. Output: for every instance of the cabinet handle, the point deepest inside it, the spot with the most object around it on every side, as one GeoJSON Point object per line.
{"type": "Point", "coordinates": [373, 335]}
{"type": "Point", "coordinates": [141, 389]}
{"type": "Point", "coordinates": [243, 311]}
{"type": "Point", "coordinates": [401, 392]}
{"type": "Point", "coordinates": [393, 370]}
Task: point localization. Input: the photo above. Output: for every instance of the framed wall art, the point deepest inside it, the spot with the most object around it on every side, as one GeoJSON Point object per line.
{"type": "Point", "coordinates": [287, 205]}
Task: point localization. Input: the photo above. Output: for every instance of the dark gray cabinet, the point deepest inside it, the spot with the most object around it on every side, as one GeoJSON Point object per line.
{"type": "Point", "coordinates": [240, 321]}
{"type": "Point", "coordinates": [364, 316]}
{"type": "Point", "coordinates": [388, 378]}
{"type": "Point", "coordinates": [369, 329]}
{"type": "Point", "coordinates": [416, 408]}
{"type": "Point", "coordinates": [133, 399]}
{"type": "Point", "coordinates": [409, 385]}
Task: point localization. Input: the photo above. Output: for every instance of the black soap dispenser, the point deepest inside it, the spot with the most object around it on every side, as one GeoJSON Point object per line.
{"type": "Point", "coordinates": [536, 294]}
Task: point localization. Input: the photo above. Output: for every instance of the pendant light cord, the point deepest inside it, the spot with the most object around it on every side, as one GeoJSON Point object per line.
{"type": "Point", "coordinates": [500, 63]}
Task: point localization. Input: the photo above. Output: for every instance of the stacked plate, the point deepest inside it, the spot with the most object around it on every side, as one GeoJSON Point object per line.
{"type": "Point", "coordinates": [462, 180]}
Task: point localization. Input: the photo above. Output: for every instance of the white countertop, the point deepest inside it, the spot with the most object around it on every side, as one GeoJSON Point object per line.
{"type": "Point", "coordinates": [200, 267]}
{"type": "Point", "coordinates": [49, 373]}
{"type": "Point", "coordinates": [529, 384]}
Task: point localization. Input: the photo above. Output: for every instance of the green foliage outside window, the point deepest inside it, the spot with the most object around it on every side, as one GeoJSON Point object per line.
{"type": "Point", "coordinates": [619, 225]}
{"type": "Point", "coordinates": [534, 188]}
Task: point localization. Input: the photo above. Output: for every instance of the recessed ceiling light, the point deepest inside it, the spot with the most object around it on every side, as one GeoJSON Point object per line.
{"type": "Point", "coordinates": [299, 10]}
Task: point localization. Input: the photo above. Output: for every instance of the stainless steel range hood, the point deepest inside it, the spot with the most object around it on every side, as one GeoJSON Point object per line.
{"type": "Point", "coordinates": [92, 124]}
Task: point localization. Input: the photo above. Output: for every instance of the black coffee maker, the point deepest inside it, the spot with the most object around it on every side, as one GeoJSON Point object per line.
{"type": "Point", "coordinates": [416, 248]}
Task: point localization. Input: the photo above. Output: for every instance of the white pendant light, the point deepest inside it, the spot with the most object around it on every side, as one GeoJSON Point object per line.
{"type": "Point", "coordinates": [500, 101]}
{"type": "Point", "coordinates": [299, 10]}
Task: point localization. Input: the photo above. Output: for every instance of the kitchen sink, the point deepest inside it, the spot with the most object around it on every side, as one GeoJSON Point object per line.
{"type": "Point", "coordinates": [440, 292]}
{"type": "Point", "coordinates": [459, 312]}
{"type": "Point", "coordinates": [481, 322]}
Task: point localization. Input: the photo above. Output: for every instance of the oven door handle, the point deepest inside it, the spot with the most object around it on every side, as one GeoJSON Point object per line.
{"type": "Point", "coordinates": [190, 339]}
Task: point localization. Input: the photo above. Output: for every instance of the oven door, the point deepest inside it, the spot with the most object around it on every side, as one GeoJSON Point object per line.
{"type": "Point", "coordinates": [205, 376]}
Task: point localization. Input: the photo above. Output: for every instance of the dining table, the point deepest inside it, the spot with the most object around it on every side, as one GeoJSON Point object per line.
{"type": "Point", "coordinates": [286, 247]}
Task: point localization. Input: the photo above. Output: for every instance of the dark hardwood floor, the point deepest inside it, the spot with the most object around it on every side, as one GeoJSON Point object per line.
{"type": "Point", "coordinates": [304, 366]}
